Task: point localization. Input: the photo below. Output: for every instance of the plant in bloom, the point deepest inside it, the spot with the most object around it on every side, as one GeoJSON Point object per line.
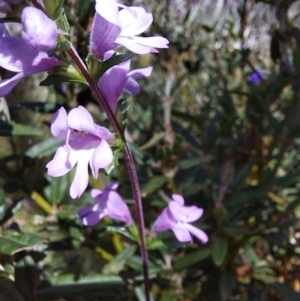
{"type": "Point", "coordinates": [107, 203]}
{"type": "Point", "coordinates": [177, 217]}
{"type": "Point", "coordinates": [86, 143]}
{"type": "Point", "coordinates": [112, 28]}
{"type": "Point", "coordinates": [119, 78]}
{"type": "Point", "coordinates": [28, 55]}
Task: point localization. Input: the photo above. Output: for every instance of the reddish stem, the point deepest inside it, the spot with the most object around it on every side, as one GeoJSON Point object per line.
{"type": "Point", "coordinates": [127, 154]}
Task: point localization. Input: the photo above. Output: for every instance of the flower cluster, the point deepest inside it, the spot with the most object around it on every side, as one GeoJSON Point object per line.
{"type": "Point", "coordinates": [39, 36]}
{"type": "Point", "coordinates": [112, 28]}
{"type": "Point", "coordinates": [87, 144]}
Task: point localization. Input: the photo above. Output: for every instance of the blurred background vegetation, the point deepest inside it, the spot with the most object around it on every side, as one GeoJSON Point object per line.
{"type": "Point", "coordinates": [217, 121]}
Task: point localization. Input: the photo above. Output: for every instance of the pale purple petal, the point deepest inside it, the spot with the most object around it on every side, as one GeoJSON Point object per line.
{"type": "Point", "coordinates": [140, 73]}
{"type": "Point", "coordinates": [6, 85]}
{"type": "Point", "coordinates": [39, 31]}
{"type": "Point", "coordinates": [131, 45]}
{"type": "Point", "coordinates": [28, 60]}
{"type": "Point", "coordinates": [90, 216]}
{"type": "Point", "coordinates": [103, 35]}
{"type": "Point", "coordinates": [103, 133]}
{"type": "Point", "coordinates": [112, 83]}
{"type": "Point", "coordinates": [112, 186]}
{"type": "Point", "coordinates": [62, 162]}
{"type": "Point", "coordinates": [81, 120]}
{"type": "Point", "coordinates": [132, 86]}
{"type": "Point", "coordinates": [178, 199]}
{"type": "Point", "coordinates": [101, 158]}
{"type": "Point", "coordinates": [155, 42]}
{"type": "Point", "coordinates": [95, 193]}
{"type": "Point", "coordinates": [11, 58]}
{"type": "Point", "coordinates": [59, 126]}
{"type": "Point", "coordinates": [185, 214]}
{"type": "Point", "coordinates": [81, 177]}
{"type": "Point", "coordinates": [134, 21]}
{"type": "Point", "coordinates": [117, 208]}
{"type": "Point", "coordinates": [164, 222]}
{"type": "Point", "coordinates": [201, 235]}
{"type": "Point", "coordinates": [109, 10]}
{"type": "Point", "coordinates": [182, 234]}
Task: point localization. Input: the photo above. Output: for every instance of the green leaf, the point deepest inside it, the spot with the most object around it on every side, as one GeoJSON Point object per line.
{"type": "Point", "coordinates": [191, 259]}
{"type": "Point", "coordinates": [53, 8]}
{"type": "Point", "coordinates": [189, 163]}
{"type": "Point", "coordinates": [154, 184]}
{"type": "Point", "coordinates": [117, 264]}
{"type": "Point", "coordinates": [25, 130]}
{"type": "Point", "coordinates": [68, 213]}
{"type": "Point", "coordinates": [114, 60]}
{"type": "Point", "coordinates": [63, 73]}
{"type": "Point", "coordinates": [12, 242]}
{"type": "Point", "coordinates": [153, 141]}
{"type": "Point", "coordinates": [17, 129]}
{"type": "Point", "coordinates": [45, 148]}
{"type": "Point", "coordinates": [57, 189]}
{"type": "Point", "coordinates": [219, 249]}
{"type": "Point", "coordinates": [66, 285]}
{"type": "Point", "coordinates": [124, 231]}
{"type": "Point", "coordinates": [155, 243]}
{"type": "Point", "coordinates": [67, 279]}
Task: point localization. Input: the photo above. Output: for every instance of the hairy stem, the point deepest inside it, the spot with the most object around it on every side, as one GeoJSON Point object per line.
{"type": "Point", "coordinates": [128, 160]}
{"type": "Point", "coordinates": [127, 154]}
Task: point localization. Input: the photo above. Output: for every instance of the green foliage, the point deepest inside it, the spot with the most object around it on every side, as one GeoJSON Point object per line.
{"type": "Point", "coordinates": [200, 128]}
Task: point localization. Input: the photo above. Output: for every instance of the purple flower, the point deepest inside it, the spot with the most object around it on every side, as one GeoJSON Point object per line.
{"type": "Point", "coordinates": [119, 78]}
{"type": "Point", "coordinates": [177, 217]}
{"type": "Point", "coordinates": [112, 27]}
{"type": "Point", "coordinates": [107, 203]}
{"type": "Point", "coordinates": [86, 144]}
{"type": "Point", "coordinates": [256, 77]}
{"type": "Point", "coordinates": [39, 31]}
{"type": "Point", "coordinates": [27, 55]}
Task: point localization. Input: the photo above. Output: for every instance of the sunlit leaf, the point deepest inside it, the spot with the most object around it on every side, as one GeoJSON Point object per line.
{"type": "Point", "coordinates": [12, 242]}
